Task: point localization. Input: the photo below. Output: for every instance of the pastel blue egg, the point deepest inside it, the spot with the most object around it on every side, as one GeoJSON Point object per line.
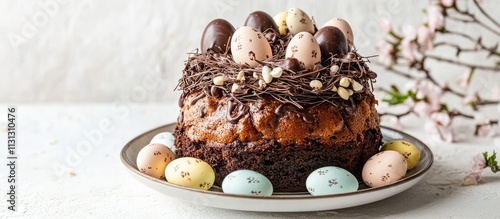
{"type": "Point", "coordinates": [331, 180]}
{"type": "Point", "coordinates": [247, 182]}
{"type": "Point", "coordinates": [165, 138]}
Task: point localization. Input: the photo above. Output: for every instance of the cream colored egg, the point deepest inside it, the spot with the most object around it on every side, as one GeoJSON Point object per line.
{"type": "Point", "coordinates": [190, 172]}
{"type": "Point", "coordinates": [384, 168]}
{"type": "Point", "coordinates": [248, 45]}
{"type": "Point", "coordinates": [153, 159]}
{"type": "Point", "coordinates": [407, 149]}
{"type": "Point", "coordinates": [280, 20]}
{"type": "Point", "coordinates": [304, 48]}
{"type": "Point", "coordinates": [298, 21]}
{"type": "Point", "coordinates": [344, 27]}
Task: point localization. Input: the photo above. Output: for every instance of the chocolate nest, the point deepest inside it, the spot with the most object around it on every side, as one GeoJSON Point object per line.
{"type": "Point", "coordinates": [291, 88]}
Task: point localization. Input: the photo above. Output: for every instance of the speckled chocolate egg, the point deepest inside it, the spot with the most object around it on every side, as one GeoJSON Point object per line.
{"type": "Point", "coordinates": [247, 182]}
{"type": "Point", "coordinates": [153, 158]}
{"type": "Point", "coordinates": [216, 36]}
{"type": "Point", "coordinates": [332, 42]}
{"type": "Point", "coordinates": [165, 138]}
{"type": "Point", "coordinates": [304, 48]}
{"type": "Point", "coordinates": [280, 20]}
{"type": "Point", "coordinates": [331, 180]}
{"type": "Point", "coordinates": [407, 149]}
{"type": "Point", "coordinates": [298, 21]}
{"type": "Point", "coordinates": [261, 21]}
{"type": "Point", "coordinates": [248, 45]}
{"type": "Point", "coordinates": [384, 168]}
{"type": "Point", "coordinates": [344, 27]}
{"type": "Point", "coordinates": [190, 172]}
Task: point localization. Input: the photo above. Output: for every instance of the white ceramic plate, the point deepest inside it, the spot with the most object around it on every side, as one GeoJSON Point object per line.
{"type": "Point", "coordinates": [278, 202]}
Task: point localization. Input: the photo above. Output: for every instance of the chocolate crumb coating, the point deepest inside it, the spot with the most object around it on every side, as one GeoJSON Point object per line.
{"type": "Point", "coordinates": [285, 129]}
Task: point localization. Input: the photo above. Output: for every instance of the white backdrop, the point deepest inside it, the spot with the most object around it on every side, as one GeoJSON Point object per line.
{"type": "Point", "coordinates": [105, 51]}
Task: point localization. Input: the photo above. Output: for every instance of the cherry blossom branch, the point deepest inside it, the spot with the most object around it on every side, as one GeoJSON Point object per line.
{"type": "Point", "coordinates": [488, 68]}
{"type": "Point", "coordinates": [491, 51]}
{"type": "Point", "coordinates": [478, 41]}
{"type": "Point", "coordinates": [397, 115]}
{"type": "Point", "coordinates": [409, 50]}
{"type": "Point", "coordinates": [486, 14]}
{"type": "Point", "coordinates": [474, 19]}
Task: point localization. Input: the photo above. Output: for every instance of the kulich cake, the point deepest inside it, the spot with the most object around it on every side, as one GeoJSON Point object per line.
{"type": "Point", "coordinates": [279, 97]}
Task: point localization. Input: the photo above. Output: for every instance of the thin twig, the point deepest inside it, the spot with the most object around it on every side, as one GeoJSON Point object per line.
{"type": "Point", "coordinates": [486, 14]}
{"type": "Point", "coordinates": [488, 68]}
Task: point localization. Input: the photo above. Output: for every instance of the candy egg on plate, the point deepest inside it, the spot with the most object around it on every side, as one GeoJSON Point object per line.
{"type": "Point", "coordinates": [153, 158]}
{"type": "Point", "coordinates": [190, 172]}
{"type": "Point", "coordinates": [165, 138]}
{"type": "Point", "coordinates": [407, 149]}
{"type": "Point", "coordinates": [331, 180]}
{"type": "Point", "coordinates": [384, 168]}
{"type": "Point", "coordinates": [247, 182]}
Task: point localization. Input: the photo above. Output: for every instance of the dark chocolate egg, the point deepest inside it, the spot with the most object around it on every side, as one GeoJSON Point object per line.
{"type": "Point", "coordinates": [331, 41]}
{"type": "Point", "coordinates": [216, 36]}
{"type": "Point", "coordinates": [291, 64]}
{"type": "Point", "coordinates": [261, 21]}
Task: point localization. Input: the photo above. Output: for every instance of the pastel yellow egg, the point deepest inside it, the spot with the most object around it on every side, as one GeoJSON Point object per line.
{"type": "Point", "coordinates": [407, 149]}
{"type": "Point", "coordinates": [280, 20]}
{"type": "Point", "coordinates": [298, 21]}
{"type": "Point", "coordinates": [190, 172]}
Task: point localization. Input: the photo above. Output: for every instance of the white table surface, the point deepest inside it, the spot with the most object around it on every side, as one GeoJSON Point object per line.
{"type": "Point", "coordinates": [50, 134]}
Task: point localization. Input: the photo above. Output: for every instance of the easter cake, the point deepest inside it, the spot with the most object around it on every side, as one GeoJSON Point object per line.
{"type": "Point", "coordinates": [280, 97]}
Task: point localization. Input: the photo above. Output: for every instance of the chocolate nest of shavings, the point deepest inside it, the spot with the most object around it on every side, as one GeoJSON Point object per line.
{"type": "Point", "coordinates": [293, 87]}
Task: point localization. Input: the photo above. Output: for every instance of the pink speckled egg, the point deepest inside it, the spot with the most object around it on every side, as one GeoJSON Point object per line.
{"type": "Point", "coordinates": [304, 48]}
{"type": "Point", "coordinates": [153, 159]}
{"type": "Point", "coordinates": [249, 45]}
{"type": "Point", "coordinates": [384, 168]}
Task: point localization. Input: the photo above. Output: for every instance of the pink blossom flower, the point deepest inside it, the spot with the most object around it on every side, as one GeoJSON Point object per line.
{"type": "Point", "coordinates": [409, 32]}
{"type": "Point", "coordinates": [422, 109]}
{"type": "Point", "coordinates": [465, 80]}
{"type": "Point", "coordinates": [486, 130]}
{"type": "Point", "coordinates": [444, 85]}
{"type": "Point", "coordinates": [471, 98]}
{"type": "Point", "coordinates": [386, 53]}
{"type": "Point", "coordinates": [476, 167]}
{"type": "Point", "coordinates": [442, 121]}
{"type": "Point", "coordinates": [424, 38]}
{"type": "Point", "coordinates": [386, 25]}
{"type": "Point", "coordinates": [408, 49]}
{"type": "Point", "coordinates": [429, 91]}
{"type": "Point", "coordinates": [447, 3]}
{"type": "Point", "coordinates": [435, 18]}
{"type": "Point", "coordinates": [430, 96]}
{"type": "Point", "coordinates": [408, 45]}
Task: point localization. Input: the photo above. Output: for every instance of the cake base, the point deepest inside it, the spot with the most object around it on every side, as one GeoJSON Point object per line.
{"type": "Point", "coordinates": [286, 166]}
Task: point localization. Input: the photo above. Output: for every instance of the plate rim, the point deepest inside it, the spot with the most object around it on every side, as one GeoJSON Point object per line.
{"type": "Point", "coordinates": [302, 195]}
